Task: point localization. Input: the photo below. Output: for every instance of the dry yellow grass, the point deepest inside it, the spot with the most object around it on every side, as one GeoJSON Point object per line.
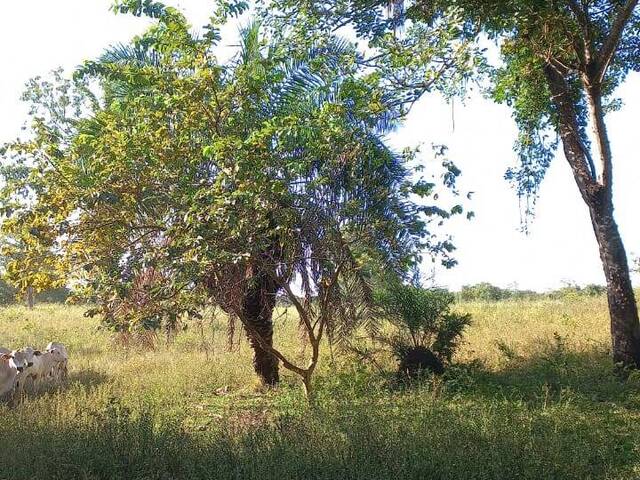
{"type": "Point", "coordinates": [529, 328]}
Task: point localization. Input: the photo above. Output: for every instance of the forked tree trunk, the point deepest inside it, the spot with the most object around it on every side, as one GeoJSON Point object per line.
{"type": "Point", "coordinates": [256, 316]}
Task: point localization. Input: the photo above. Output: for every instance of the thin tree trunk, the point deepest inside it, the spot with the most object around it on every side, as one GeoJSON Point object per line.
{"type": "Point", "coordinates": [231, 332]}
{"type": "Point", "coordinates": [256, 315]}
{"type": "Point", "coordinates": [30, 297]}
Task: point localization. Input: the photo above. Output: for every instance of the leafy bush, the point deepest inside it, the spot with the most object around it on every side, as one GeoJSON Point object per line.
{"type": "Point", "coordinates": [9, 295]}
{"type": "Point", "coordinates": [55, 295]}
{"type": "Point", "coordinates": [426, 331]}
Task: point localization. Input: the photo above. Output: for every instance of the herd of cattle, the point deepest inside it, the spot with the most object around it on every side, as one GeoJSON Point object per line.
{"type": "Point", "coordinates": [29, 368]}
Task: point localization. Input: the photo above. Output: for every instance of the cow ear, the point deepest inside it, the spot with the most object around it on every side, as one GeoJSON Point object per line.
{"type": "Point", "coordinates": [37, 352]}
{"type": "Point", "coordinates": [5, 356]}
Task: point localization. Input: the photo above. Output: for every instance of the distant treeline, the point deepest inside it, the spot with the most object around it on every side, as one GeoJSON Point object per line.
{"type": "Point", "coordinates": [9, 295]}
{"type": "Point", "coordinates": [490, 293]}
{"type": "Point", "coordinates": [479, 292]}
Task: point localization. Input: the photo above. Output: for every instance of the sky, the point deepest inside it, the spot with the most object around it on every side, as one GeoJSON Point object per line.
{"type": "Point", "coordinates": [37, 36]}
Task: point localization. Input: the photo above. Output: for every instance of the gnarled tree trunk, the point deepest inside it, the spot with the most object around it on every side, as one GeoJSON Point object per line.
{"type": "Point", "coordinates": [248, 292]}
{"type": "Point", "coordinates": [256, 315]}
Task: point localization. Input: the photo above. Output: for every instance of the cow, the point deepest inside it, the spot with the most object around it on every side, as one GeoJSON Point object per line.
{"type": "Point", "coordinates": [12, 364]}
{"type": "Point", "coordinates": [60, 357]}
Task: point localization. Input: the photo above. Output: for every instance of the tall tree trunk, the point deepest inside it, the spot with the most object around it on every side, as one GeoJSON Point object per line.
{"type": "Point", "coordinates": [623, 311]}
{"type": "Point", "coordinates": [256, 315]}
{"type": "Point", "coordinates": [625, 327]}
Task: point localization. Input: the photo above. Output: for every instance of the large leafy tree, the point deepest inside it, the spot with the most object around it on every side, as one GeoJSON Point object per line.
{"type": "Point", "coordinates": [561, 64]}
{"type": "Point", "coordinates": [232, 182]}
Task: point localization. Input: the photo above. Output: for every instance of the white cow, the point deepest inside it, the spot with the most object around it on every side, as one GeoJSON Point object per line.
{"type": "Point", "coordinates": [58, 346]}
{"type": "Point", "coordinates": [11, 365]}
{"type": "Point", "coordinates": [7, 375]}
{"type": "Point", "coordinates": [60, 357]}
{"type": "Point", "coordinates": [47, 366]}
{"type": "Point", "coordinates": [32, 373]}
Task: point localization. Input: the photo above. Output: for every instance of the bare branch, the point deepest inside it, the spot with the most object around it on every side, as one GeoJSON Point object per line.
{"type": "Point", "coordinates": [612, 41]}
{"type": "Point", "coordinates": [265, 346]}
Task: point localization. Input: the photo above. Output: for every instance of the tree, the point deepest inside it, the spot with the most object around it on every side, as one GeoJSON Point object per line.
{"type": "Point", "coordinates": [233, 182]}
{"type": "Point", "coordinates": [561, 63]}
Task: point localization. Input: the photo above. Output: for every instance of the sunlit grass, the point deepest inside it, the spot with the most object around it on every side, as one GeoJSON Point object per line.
{"type": "Point", "coordinates": [531, 396]}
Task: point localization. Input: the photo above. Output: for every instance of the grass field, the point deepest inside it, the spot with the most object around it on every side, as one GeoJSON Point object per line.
{"type": "Point", "coordinates": [531, 396]}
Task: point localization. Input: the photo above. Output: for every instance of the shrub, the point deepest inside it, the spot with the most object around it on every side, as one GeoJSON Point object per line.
{"type": "Point", "coordinates": [575, 291]}
{"type": "Point", "coordinates": [9, 295]}
{"type": "Point", "coordinates": [426, 332]}
{"type": "Point", "coordinates": [55, 295]}
{"type": "Point", "coordinates": [483, 291]}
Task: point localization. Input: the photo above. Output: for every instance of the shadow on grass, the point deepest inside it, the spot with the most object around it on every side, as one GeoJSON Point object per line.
{"type": "Point", "coordinates": [398, 438]}
{"type": "Point", "coordinates": [551, 416]}
{"type": "Point", "coordinates": [555, 375]}
{"type": "Point", "coordinates": [87, 377]}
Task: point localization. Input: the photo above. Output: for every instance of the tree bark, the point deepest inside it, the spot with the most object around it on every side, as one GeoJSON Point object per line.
{"type": "Point", "coordinates": [256, 315]}
{"type": "Point", "coordinates": [625, 327]}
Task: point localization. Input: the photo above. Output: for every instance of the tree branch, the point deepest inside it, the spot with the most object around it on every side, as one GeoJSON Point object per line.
{"type": "Point", "coordinates": [265, 346]}
{"type": "Point", "coordinates": [575, 152]}
{"type": "Point", "coordinates": [612, 41]}
{"type": "Point", "coordinates": [584, 51]}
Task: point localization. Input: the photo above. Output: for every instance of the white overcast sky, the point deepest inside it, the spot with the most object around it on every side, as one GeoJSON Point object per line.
{"type": "Point", "coordinates": [37, 36]}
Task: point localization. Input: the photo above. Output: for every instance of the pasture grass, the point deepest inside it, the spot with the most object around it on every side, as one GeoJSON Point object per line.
{"type": "Point", "coordinates": [531, 396]}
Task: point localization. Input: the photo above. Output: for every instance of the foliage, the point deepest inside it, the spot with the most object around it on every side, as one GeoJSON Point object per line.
{"type": "Point", "coordinates": [422, 318]}
{"type": "Point", "coordinates": [58, 295]}
{"type": "Point", "coordinates": [571, 35]}
{"type": "Point", "coordinates": [560, 64]}
{"type": "Point", "coordinates": [9, 295]}
{"type": "Point", "coordinates": [572, 290]}
{"type": "Point", "coordinates": [484, 291]}
{"type": "Point", "coordinates": [407, 58]}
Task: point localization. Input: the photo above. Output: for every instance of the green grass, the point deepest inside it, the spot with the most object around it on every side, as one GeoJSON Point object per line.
{"type": "Point", "coordinates": [531, 396]}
